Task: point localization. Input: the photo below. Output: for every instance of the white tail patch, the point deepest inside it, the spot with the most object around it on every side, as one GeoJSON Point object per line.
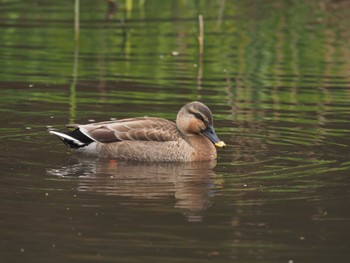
{"type": "Point", "coordinates": [67, 137]}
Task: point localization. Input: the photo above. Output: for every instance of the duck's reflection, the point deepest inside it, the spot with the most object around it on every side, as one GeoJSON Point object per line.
{"type": "Point", "coordinates": [192, 184]}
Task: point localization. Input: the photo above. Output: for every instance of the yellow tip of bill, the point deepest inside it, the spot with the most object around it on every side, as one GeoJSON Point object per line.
{"type": "Point", "coordinates": [220, 144]}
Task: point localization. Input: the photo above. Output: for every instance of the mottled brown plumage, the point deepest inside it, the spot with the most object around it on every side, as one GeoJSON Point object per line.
{"type": "Point", "coordinates": [191, 138]}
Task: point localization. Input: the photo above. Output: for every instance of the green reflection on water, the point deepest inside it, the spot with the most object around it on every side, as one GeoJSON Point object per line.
{"type": "Point", "coordinates": [284, 41]}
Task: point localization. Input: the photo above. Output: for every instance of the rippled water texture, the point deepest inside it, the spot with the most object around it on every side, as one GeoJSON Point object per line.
{"type": "Point", "coordinates": [276, 76]}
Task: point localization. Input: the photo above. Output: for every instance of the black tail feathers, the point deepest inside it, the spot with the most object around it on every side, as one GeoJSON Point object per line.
{"type": "Point", "coordinates": [73, 139]}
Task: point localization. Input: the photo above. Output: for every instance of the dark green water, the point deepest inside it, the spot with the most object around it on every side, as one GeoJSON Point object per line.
{"type": "Point", "coordinates": [276, 75]}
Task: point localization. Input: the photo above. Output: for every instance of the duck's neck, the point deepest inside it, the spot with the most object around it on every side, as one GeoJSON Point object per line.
{"type": "Point", "coordinates": [203, 148]}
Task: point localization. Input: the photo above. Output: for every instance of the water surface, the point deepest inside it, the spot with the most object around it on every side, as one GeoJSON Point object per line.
{"type": "Point", "coordinates": [276, 76]}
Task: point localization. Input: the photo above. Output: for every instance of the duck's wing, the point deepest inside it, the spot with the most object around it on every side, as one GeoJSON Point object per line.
{"type": "Point", "coordinates": [134, 129]}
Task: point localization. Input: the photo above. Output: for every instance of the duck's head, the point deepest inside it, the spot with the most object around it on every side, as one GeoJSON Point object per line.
{"type": "Point", "coordinates": [195, 118]}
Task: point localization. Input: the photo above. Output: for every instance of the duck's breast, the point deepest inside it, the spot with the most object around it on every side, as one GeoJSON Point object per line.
{"type": "Point", "coordinates": [203, 148]}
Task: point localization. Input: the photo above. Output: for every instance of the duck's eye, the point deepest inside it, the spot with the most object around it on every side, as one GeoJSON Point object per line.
{"type": "Point", "coordinates": [198, 116]}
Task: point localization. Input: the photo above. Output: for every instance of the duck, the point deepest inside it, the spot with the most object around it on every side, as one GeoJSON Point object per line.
{"type": "Point", "coordinates": [191, 138]}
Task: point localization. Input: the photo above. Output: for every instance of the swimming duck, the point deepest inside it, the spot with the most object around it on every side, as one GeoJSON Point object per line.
{"type": "Point", "coordinates": [191, 138]}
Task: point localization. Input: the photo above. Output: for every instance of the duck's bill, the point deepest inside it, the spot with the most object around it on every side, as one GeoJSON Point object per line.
{"type": "Point", "coordinates": [210, 133]}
